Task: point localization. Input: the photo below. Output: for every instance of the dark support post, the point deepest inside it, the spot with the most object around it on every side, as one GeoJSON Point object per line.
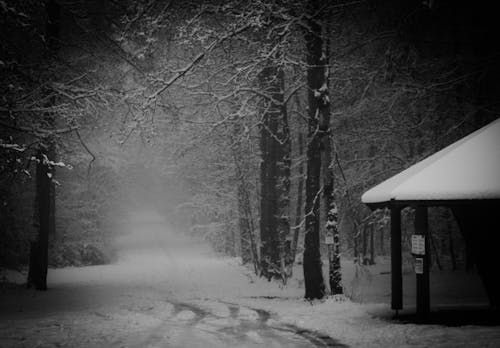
{"type": "Point", "coordinates": [423, 289]}
{"type": "Point", "coordinates": [396, 262]}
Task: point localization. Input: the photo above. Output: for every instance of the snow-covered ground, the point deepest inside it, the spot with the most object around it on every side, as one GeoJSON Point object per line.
{"type": "Point", "coordinates": [168, 290]}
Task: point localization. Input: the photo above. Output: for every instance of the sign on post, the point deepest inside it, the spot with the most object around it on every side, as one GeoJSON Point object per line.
{"type": "Point", "coordinates": [419, 265]}
{"type": "Point", "coordinates": [417, 244]}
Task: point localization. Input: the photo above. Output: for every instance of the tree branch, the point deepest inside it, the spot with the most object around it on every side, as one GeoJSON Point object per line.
{"type": "Point", "coordinates": [87, 149]}
{"type": "Point", "coordinates": [37, 130]}
{"type": "Point", "coordinates": [195, 61]}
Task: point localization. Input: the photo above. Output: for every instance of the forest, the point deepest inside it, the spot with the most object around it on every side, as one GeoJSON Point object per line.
{"type": "Point", "coordinates": [255, 126]}
{"type": "Point", "coordinates": [263, 124]}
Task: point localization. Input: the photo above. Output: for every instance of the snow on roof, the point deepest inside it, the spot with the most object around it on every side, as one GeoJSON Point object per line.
{"type": "Point", "coordinates": [467, 169]}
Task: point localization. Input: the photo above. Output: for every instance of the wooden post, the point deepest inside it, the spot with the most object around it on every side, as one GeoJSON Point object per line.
{"type": "Point", "coordinates": [423, 293]}
{"type": "Point", "coordinates": [396, 260]}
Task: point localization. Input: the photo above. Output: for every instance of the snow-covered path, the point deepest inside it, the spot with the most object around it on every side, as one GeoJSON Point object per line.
{"type": "Point", "coordinates": [166, 290]}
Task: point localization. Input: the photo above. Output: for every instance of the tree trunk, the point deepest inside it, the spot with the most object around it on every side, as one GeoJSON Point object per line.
{"type": "Point", "coordinates": [45, 187]}
{"type": "Point", "coordinates": [275, 175]}
{"type": "Point", "coordinates": [232, 241]}
{"type": "Point", "coordinates": [298, 211]}
{"type": "Point", "coordinates": [244, 224]}
{"type": "Point", "coordinates": [331, 226]}
{"type": "Point", "coordinates": [247, 240]}
{"type": "Point", "coordinates": [268, 208]}
{"type": "Point", "coordinates": [382, 246]}
{"type": "Point", "coordinates": [244, 207]}
{"type": "Point", "coordinates": [318, 127]}
{"type": "Point", "coordinates": [335, 275]}
{"type": "Point", "coordinates": [37, 275]}
{"type": "Point", "coordinates": [356, 247]}
{"type": "Point", "coordinates": [283, 188]}
{"type": "Point", "coordinates": [52, 190]}
{"type": "Point", "coordinates": [331, 210]}
{"type": "Point", "coordinates": [313, 274]}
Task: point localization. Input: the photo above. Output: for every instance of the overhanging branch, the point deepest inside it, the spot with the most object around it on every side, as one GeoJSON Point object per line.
{"type": "Point", "coordinates": [195, 61]}
{"type": "Point", "coordinates": [39, 131]}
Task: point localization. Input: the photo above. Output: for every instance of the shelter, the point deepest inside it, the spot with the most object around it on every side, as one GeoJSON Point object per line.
{"type": "Point", "coordinates": [465, 177]}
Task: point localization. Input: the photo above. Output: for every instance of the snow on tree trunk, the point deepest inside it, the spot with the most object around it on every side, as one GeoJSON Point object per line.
{"type": "Point", "coordinates": [331, 213]}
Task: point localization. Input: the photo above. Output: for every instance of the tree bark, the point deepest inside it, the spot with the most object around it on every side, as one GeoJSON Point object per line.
{"type": "Point", "coordinates": [365, 237]}
{"type": "Point", "coordinates": [313, 274]}
{"type": "Point", "coordinates": [331, 211]}
{"type": "Point", "coordinates": [356, 246]}
{"type": "Point", "coordinates": [318, 112]}
{"type": "Point", "coordinates": [298, 210]}
{"type": "Point", "coordinates": [244, 207]}
{"type": "Point", "coordinates": [247, 240]}
{"type": "Point", "coordinates": [275, 175]}
{"type": "Point", "coordinates": [283, 163]}
{"type": "Point", "coordinates": [382, 247]}
{"type": "Point", "coordinates": [37, 275]}
{"type": "Point", "coordinates": [45, 187]}
{"type": "Point", "coordinates": [244, 224]}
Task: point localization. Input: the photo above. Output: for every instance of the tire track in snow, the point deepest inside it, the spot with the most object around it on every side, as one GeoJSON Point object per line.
{"type": "Point", "coordinates": [253, 325]}
{"type": "Point", "coordinates": [318, 339]}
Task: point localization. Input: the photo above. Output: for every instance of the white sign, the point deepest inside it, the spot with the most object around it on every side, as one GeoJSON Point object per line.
{"type": "Point", "coordinates": [417, 244]}
{"type": "Point", "coordinates": [419, 265]}
{"type": "Point", "coordinates": [329, 239]}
